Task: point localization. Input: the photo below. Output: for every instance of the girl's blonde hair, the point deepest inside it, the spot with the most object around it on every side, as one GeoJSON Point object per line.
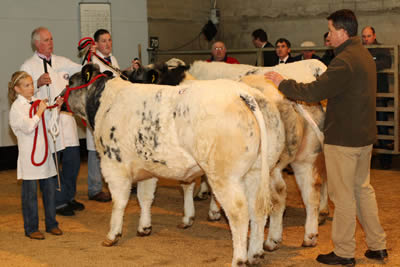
{"type": "Point", "coordinates": [15, 79]}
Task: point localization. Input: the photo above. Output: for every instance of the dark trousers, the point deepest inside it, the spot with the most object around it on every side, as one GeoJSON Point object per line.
{"type": "Point", "coordinates": [30, 205]}
{"type": "Point", "coordinates": [70, 162]}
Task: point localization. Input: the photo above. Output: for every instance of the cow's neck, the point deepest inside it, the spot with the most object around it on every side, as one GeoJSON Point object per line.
{"type": "Point", "coordinates": [93, 100]}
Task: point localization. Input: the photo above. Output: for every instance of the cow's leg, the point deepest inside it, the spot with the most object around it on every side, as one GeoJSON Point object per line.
{"type": "Point", "coordinates": [204, 191]}
{"type": "Point", "coordinates": [232, 198]}
{"type": "Point", "coordinates": [214, 212]}
{"type": "Point", "coordinates": [120, 188]}
{"type": "Point", "coordinates": [258, 195]}
{"type": "Point", "coordinates": [145, 194]}
{"type": "Point", "coordinates": [320, 171]}
{"type": "Point", "coordinates": [278, 198]}
{"type": "Point", "coordinates": [188, 205]}
{"type": "Point", "coordinates": [323, 203]}
{"type": "Point", "coordinates": [309, 185]}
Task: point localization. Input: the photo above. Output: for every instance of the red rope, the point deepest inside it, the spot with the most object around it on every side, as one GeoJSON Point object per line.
{"type": "Point", "coordinates": [32, 112]}
{"type": "Point", "coordinates": [69, 89]}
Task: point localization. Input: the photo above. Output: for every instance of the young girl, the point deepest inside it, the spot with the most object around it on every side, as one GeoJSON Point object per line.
{"type": "Point", "coordinates": [20, 92]}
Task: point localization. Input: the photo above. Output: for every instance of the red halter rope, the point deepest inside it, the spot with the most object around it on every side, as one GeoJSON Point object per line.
{"type": "Point", "coordinates": [32, 112]}
{"type": "Point", "coordinates": [69, 89]}
{"type": "Point", "coordinates": [89, 41]}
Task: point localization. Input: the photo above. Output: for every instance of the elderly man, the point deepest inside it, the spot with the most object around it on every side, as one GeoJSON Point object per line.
{"type": "Point", "coordinates": [308, 52]}
{"type": "Point", "coordinates": [383, 60]}
{"type": "Point", "coordinates": [282, 48]}
{"type": "Point", "coordinates": [103, 46]}
{"type": "Point", "coordinates": [218, 53]}
{"type": "Point", "coordinates": [49, 85]}
{"type": "Point", "coordinates": [260, 40]}
{"type": "Point", "coordinates": [350, 132]}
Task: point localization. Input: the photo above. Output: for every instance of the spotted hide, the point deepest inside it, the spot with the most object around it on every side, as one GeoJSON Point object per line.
{"type": "Point", "coordinates": [215, 128]}
{"type": "Point", "coordinates": [302, 150]}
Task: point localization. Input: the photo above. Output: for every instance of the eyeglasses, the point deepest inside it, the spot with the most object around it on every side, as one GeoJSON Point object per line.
{"type": "Point", "coordinates": [219, 48]}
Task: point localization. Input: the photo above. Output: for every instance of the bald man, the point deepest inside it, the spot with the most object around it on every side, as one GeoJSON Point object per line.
{"type": "Point", "coordinates": [218, 53]}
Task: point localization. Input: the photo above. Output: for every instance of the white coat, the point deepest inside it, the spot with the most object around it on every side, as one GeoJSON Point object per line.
{"type": "Point", "coordinates": [24, 129]}
{"type": "Point", "coordinates": [60, 71]}
{"type": "Point", "coordinates": [103, 67]}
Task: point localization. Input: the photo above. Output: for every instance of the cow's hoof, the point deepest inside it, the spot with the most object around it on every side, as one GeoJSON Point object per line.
{"type": "Point", "coordinates": [145, 232]}
{"type": "Point", "coordinates": [311, 241]}
{"type": "Point", "coordinates": [256, 259]}
{"type": "Point", "coordinates": [322, 217]}
{"type": "Point", "coordinates": [214, 216]}
{"type": "Point", "coordinates": [110, 243]}
{"type": "Point", "coordinates": [271, 245]}
{"type": "Point", "coordinates": [240, 263]}
{"type": "Point", "coordinates": [184, 225]}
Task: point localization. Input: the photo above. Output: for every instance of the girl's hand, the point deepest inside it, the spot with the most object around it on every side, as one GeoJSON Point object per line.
{"type": "Point", "coordinates": [42, 107]}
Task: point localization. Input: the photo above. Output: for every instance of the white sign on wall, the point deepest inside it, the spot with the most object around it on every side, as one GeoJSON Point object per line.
{"type": "Point", "coordinates": [94, 16]}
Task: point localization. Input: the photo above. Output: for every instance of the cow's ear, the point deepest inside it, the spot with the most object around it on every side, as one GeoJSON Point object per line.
{"type": "Point", "coordinates": [152, 76]}
{"type": "Point", "coordinates": [87, 72]}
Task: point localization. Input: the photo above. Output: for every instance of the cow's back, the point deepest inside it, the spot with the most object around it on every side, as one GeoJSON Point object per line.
{"type": "Point", "coordinates": [169, 131]}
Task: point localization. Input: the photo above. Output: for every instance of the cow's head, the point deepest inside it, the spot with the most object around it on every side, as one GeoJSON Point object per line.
{"type": "Point", "coordinates": [84, 102]}
{"type": "Point", "coordinates": [160, 73]}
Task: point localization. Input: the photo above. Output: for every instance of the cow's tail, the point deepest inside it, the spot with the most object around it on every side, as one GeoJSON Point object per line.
{"type": "Point", "coordinates": [265, 177]}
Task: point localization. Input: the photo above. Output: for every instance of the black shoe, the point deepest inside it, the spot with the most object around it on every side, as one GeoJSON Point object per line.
{"type": "Point", "coordinates": [65, 211]}
{"type": "Point", "coordinates": [101, 197]}
{"type": "Point", "coordinates": [333, 259]}
{"type": "Point", "coordinates": [376, 254]}
{"type": "Point", "coordinates": [75, 205]}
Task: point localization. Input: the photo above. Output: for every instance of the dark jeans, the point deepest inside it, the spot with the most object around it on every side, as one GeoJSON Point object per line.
{"type": "Point", "coordinates": [70, 162]}
{"type": "Point", "coordinates": [30, 205]}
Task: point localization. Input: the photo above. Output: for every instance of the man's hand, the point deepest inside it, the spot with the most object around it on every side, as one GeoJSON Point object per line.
{"type": "Point", "coordinates": [275, 77]}
{"type": "Point", "coordinates": [43, 79]}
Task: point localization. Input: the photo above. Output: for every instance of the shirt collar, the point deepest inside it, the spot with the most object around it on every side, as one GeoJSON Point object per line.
{"type": "Point", "coordinates": [101, 55]}
{"type": "Point", "coordinates": [43, 56]}
{"type": "Point", "coordinates": [285, 59]}
{"type": "Point", "coordinates": [23, 100]}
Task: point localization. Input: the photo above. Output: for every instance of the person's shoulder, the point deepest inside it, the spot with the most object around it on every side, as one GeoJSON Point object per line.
{"type": "Point", "coordinates": [296, 58]}
{"type": "Point", "coordinates": [30, 60]}
{"type": "Point", "coordinates": [232, 60]}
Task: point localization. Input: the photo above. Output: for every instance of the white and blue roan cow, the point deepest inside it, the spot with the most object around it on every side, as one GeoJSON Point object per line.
{"type": "Point", "coordinates": [216, 128]}
{"type": "Point", "coordinates": [302, 147]}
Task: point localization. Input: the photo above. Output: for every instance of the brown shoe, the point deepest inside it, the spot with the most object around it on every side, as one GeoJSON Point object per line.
{"type": "Point", "coordinates": [101, 197]}
{"type": "Point", "coordinates": [36, 235]}
{"type": "Point", "coordinates": [55, 231]}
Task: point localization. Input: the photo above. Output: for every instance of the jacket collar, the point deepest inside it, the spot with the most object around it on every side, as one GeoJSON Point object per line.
{"type": "Point", "coordinates": [351, 41]}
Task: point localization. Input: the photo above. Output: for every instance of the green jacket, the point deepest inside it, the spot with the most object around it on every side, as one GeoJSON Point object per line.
{"type": "Point", "coordinates": [349, 84]}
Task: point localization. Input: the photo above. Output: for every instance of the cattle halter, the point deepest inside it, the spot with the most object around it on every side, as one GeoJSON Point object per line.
{"type": "Point", "coordinates": [69, 89]}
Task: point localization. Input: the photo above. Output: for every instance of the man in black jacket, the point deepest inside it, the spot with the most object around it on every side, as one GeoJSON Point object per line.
{"type": "Point", "coordinates": [282, 48]}
{"type": "Point", "coordinates": [383, 60]}
{"type": "Point", "coordinates": [350, 131]}
{"type": "Point", "coordinates": [260, 40]}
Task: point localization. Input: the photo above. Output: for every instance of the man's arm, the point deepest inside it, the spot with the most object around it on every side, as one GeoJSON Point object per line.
{"type": "Point", "coordinates": [331, 83]}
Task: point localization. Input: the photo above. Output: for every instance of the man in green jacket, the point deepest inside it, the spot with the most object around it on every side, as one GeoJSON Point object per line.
{"type": "Point", "coordinates": [349, 84]}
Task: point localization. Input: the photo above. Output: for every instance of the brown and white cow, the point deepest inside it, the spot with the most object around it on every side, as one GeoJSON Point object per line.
{"type": "Point", "coordinates": [180, 132]}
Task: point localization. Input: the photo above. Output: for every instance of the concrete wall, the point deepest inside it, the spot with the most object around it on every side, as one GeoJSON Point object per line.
{"type": "Point", "coordinates": [176, 23]}
{"type": "Point", "coordinates": [19, 18]}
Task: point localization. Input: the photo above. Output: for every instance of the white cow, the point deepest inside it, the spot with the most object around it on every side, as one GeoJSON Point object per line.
{"type": "Point", "coordinates": [302, 150]}
{"type": "Point", "coordinates": [212, 127]}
